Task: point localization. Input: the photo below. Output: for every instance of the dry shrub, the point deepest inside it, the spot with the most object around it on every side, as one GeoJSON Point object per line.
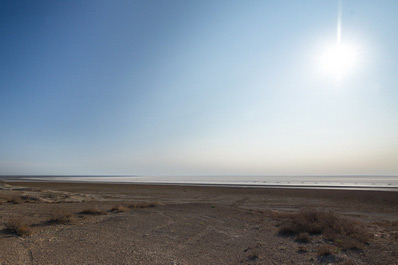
{"type": "Point", "coordinates": [331, 225]}
{"type": "Point", "coordinates": [279, 215]}
{"type": "Point", "coordinates": [346, 243]}
{"type": "Point", "coordinates": [143, 205]}
{"type": "Point", "coordinates": [303, 237]}
{"type": "Point", "coordinates": [61, 217]}
{"type": "Point", "coordinates": [287, 230]}
{"type": "Point", "coordinates": [155, 204]}
{"type": "Point", "coordinates": [17, 227]}
{"type": "Point", "coordinates": [119, 209]}
{"type": "Point", "coordinates": [324, 250]}
{"type": "Point", "coordinates": [29, 198]}
{"type": "Point", "coordinates": [15, 200]}
{"type": "Point", "coordinates": [92, 211]}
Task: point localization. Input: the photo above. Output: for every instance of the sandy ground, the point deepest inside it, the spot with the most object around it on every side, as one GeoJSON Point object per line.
{"type": "Point", "coordinates": [186, 225]}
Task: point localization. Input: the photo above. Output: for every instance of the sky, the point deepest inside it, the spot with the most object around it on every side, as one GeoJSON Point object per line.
{"type": "Point", "coordinates": [198, 87]}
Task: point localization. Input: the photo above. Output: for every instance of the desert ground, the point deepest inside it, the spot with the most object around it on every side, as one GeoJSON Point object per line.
{"type": "Point", "coordinates": [88, 223]}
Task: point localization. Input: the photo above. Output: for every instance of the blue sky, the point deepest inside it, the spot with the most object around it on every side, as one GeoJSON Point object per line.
{"type": "Point", "coordinates": [196, 88]}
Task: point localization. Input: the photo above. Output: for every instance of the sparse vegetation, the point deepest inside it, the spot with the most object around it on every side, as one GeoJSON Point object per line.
{"type": "Point", "coordinates": [143, 205]}
{"type": "Point", "coordinates": [15, 200]}
{"type": "Point", "coordinates": [92, 211]}
{"type": "Point", "coordinates": [332, 226]}
{"type": "Point", "coordinates": [61, 217]}
{"type": "Point", "coordinates": [119, 209]}
{"type": "Point", "coordinates": [303, 237]}
{"type": "Point", "coordinates": [325, 250]}
{"type": "Point", "coordinates": [29, 198]}
{"type": "Point", "coordinates": [343, 233]}
{"type": "Point", "coordinates": [17, 227]}
{"type": "Point", "coordinates": [154, 204]}
{"type": "Point", "coordinates": [345, 242]}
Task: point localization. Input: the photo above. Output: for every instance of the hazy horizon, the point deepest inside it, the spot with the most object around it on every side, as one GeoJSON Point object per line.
{"type": "Point", "coordinates": [162, 88]}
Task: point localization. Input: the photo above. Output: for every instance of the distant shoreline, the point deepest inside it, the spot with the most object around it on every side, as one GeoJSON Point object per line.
{"type": "Point", "coordinates": [190, 184]}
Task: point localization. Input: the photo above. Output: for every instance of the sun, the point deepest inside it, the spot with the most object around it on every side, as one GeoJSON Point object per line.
{"type": "Point", "coordinates": [338, 60]}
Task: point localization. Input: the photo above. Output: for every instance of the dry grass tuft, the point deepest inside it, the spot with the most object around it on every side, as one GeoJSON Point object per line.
{"type": "Point", "coordinates": [119, 209]}
{"type": "Point", "coordinates": [17, 227]}
{"type": "Point", "coordinates": [143, 205]}
{"type": "Point", "coordinates": [92, 211]}
{"type": "Point", "coordinates": [154, 204]}
{"type": "Point", "coordinates": [15, 199]}
{"type": "Point", "coordinates": [325, 250]}
{"type": "Point", "coordinates": [61, 217]}
{"type": "Point", "coordinates": [303, 237]}
{"type": "Point", "coordinates": [279, 215]}
{"type": "Point", "coordinates": [345, 243]}
{"type": "Point", "coordinates": [30, 198]}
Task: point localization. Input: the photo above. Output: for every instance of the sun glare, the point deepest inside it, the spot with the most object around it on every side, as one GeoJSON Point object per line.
{"type": "Point", "coordinates": [338, 60]}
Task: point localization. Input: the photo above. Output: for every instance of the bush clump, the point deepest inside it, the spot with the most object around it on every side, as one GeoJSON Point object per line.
{"type": "Point", "coordinates": [17, 227]}
{"type": "Point", "coordinates": [325, 250]}
{"type": "Point", "coordinates": [119, 209]}
{"type": "Point", "coordinates": [92, 211]}
{"type": "Point", "coordinates": [15, 200]}
{"type": "Point", "coordinates": [61, 217]}
{"type": "Point", "coordinates": [303, 237]}
{"type": "Point", "coordinates": [343, 232]}
{"type": "Point", "coordinates": [143, 205]}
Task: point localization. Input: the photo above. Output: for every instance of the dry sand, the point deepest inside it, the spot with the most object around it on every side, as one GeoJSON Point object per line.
{"type": "Point", "coordinates": [187, 225]}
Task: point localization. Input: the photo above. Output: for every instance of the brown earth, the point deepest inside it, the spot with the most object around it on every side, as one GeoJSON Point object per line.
{"type": "Point", "coordinates": [159, 224]}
